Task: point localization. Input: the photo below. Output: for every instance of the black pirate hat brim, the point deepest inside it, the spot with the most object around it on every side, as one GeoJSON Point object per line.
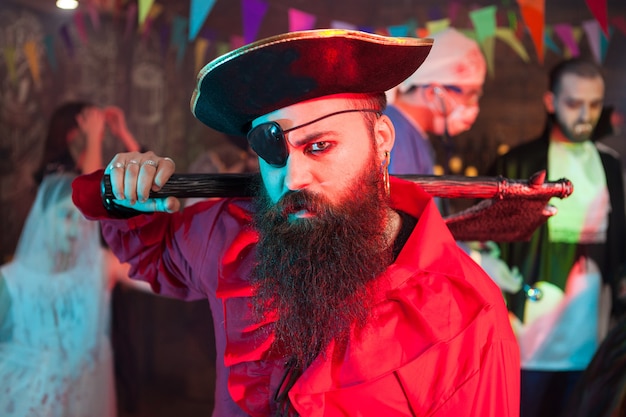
{"type": "Point", "coordinates": [282, 70]}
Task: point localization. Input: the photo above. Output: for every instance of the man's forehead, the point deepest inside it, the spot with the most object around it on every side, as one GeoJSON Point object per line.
{"type": "Point", "coordinates": [310, 109]}
{"type": "Point", "coordinates": [571, 83]}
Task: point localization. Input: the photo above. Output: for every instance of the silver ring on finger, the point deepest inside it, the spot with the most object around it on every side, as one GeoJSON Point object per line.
{"type": "Point", "coordinates": [117, 165]}
{"type": "Point", "coordinates": [169, 160]}
{"type": "Point", "coordinates": [149, 162]}
{"type": "Point", "coordinates": [132, 162]}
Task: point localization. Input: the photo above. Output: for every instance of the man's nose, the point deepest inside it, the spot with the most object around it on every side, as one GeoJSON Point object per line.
{"type": "Point", "coordinates": [585, 112]}
{"type": "Point", "coordinates": [299, 174]}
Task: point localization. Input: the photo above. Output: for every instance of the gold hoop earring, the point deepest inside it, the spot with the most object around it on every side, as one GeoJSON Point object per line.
{"type": "Point", "coordinates": [385, 172]}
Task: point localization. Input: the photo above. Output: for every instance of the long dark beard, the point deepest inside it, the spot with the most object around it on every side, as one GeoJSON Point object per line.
{"type": "Point", "coordinates": [316, 273]}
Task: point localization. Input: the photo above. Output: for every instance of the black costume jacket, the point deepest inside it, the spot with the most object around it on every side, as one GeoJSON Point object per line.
{"type": "Point", "coordinates": [541, 260]}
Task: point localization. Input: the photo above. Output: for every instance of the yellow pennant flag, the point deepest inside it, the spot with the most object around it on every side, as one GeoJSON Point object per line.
{"type": "Point", "coordinates": [201, 47]}
{"type": "Point", "coordinates": [508, 35]}
{"type": "Point", "coordinates": [9, 57]}
{"type": "Point", "coordinates": [435, 26]}
{"type": "Point", "coordinates": [144, 8]}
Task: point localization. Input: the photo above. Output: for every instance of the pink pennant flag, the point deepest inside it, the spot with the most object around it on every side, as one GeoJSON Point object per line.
{"type": "Point", "coordinates": [338, 24]}
{"type": "Point", "coordinates": [93, 16]}
{"type": "Point", "coordinates": [198, 13]}
{"type": "Point", "coordinates": [453, 11]}
{"type": "Point", "coordinates": [565, 32]}
{"type": "Point", "coordinates": [131, 13]}
{"type": "Point", "coordinates": [237, 41]}
{"type": "Point", "coordinates": [30, 50]}
{"type": "Point", "coordinates": [253, 14]}
{"type": "Point", "coordinates": [299, 20]}
{"type": "Point", "coordinates": [79, 21]}
{"type": "Point", "coordinates": [595, 38]}
{"type": "Point", "coordinates": [599, 10]}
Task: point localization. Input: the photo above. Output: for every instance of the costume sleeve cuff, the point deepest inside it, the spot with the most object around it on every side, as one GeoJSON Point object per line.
{"type": "Point", "coordinates": [86, 195]}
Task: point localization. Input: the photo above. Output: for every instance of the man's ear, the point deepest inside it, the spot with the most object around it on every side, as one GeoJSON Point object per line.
{"type": "Point", "coordinates": [437, 99]}
{"type": "Point", "coordinates": [548, 101]}
{"type": "Point", "coordinates": [385, 133]}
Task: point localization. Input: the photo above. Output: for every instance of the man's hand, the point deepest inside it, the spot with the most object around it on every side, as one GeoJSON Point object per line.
{"type": "Point", "coordinates": [133, 175]}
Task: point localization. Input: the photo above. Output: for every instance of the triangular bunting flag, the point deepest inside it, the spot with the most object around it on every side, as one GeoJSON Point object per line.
{"type": "Point", "coordinates": [596, 39]}
{"type": "Point", "coordinates": [9, 57]}
{"type": "Point", "coordinates": [202, 45]}
{"type": "Point", "coordinates": [50, 53]}
{"type": "Point", "coordinates": [79, 22]}
{"type": "Point", "coordinates": [198, 13]}
{"type": "Point", "coordinates": [131, 13]}
{"type": "Point", "coordinates": [599, 10]}
{"type": "Point", "coordinates": [144, 8]}
{"type": "Point", "coordinates": [30, 50]}
{"type": "Point", "coordinates": [620, 23]}
{"type": "Point", "coordinates": [508, 35]}
{"type": "Point", "coordinates": [237, 41]}
{"type": "Point", "coordinates": [67, 40]}
{"type": "Point", "coordinates": [338, 24]}
{"type": "Point", "coordinates": [453, 11]}
{"type": "Point", "coordinates": [434, 26]}
{"type": "Point", "coordinates": [484, 22]}
{"type": "Point", "coordinates": [179, 37]}
{"type": "Point", "coordinates": [566, 33]}
{"type": "Point", "coordinates": [94, 16]}
{"type": "Point", "coordinates": [253, 14]}
{"type": "Point", "coordinates": [299, 20]}
{"type": "Point", "coordinates": [533, 14]}
{"type": "Point", "coordinates": [549, 42]}
{"type": "Point", "coordinates": [398, 30]}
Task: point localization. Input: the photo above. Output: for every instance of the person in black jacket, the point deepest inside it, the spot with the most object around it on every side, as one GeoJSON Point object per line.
{"type": "Point", "coordinates": [573, 261]}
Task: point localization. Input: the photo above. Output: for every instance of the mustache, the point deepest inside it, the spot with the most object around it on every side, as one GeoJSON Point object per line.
{"type": "Point", "coordinates": [295, 201]}
{"type": "Point", "coordinates": [583, 128]}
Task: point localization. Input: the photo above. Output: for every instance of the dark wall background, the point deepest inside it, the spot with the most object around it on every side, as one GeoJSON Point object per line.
{"type": "Point", "coordinates": [136, 73]}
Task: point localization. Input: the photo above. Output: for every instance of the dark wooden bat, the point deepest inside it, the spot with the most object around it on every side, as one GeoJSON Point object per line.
{"type": "Point", "coordinates": [448, 186]}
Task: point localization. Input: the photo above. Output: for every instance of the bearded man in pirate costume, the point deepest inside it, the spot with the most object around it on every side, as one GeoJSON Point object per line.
{"type": "Point", "coordinates": [337, 290]}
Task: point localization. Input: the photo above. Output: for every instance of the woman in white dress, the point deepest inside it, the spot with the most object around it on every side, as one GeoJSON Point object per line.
{"type": "Point", "coordinates": [55, 353]}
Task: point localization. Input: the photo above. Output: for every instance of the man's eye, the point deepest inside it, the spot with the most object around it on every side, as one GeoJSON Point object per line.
{"type": "Point", "coordinates": [318, 146]}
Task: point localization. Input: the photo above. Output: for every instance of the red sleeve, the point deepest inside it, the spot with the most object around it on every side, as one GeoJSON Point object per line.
{"type": "Point", "coordinates": [87, 196]}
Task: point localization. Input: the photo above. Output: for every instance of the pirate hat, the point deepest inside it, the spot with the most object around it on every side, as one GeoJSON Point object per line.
{"type": "Point", "coordinates": [282, 70]}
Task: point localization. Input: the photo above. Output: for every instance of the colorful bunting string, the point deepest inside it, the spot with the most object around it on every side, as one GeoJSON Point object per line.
{"type": "Point", "coordinates": [487, 23]}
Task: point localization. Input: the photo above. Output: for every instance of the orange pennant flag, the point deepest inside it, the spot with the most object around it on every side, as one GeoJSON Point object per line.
{"type": "Point", "coordinates": [533, 13]}
{"type": "Point", "coordinates": [30, 50]}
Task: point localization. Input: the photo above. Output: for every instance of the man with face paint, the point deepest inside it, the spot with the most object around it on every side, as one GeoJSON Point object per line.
{"type": "Point", "coordinates": [440, 98]}
{"type": "Point", "coordinates": [576, 257]}
{"type": "Point", "coordinates": [337, 290]}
